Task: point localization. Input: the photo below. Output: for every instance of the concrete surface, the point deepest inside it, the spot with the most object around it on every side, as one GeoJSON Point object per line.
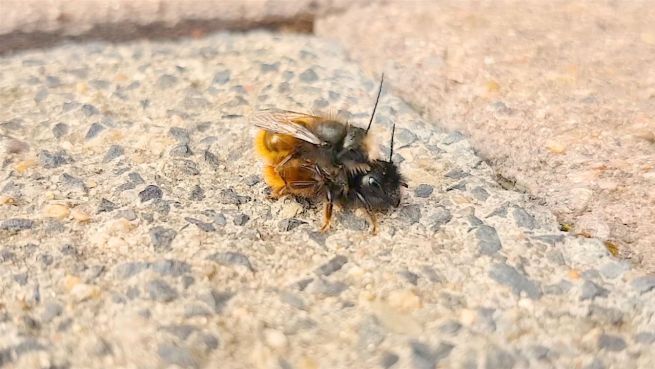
{"type": "Point", "coordinates": [27, 24]}
{"type": "Point", "coordinates": [558, 96]}
{"type": "Point", "coordinates": [137, 233]}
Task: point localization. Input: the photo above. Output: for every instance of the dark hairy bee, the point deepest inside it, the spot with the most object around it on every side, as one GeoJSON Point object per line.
{"type": "Point", "coordinates": [322, 157]}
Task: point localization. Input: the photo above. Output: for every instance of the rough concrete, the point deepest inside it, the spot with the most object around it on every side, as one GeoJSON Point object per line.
{"type": "Point", "coordinates": [27, 24]}
{"type": "Point", "coordinates": [136, 231]}
{"type": "Point", "coordinates": [558, 96]}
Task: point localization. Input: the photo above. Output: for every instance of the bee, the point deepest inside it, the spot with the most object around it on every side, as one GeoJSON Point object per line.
{"type": "Point", "coordinates": [314, 156]}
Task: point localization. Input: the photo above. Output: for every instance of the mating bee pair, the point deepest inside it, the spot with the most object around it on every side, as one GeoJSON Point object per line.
{"type": "Point", "coordinates": [321, 157]}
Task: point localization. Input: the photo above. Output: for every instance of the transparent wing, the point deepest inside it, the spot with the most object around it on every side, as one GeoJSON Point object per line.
{"type": "Point", "coordinates": [286, 122]}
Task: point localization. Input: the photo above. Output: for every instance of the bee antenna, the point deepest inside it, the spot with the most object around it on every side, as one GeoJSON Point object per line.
{"type": "Point", "coordinates": [393, 132]}
{"type": "Point", "coordinates": [376, 103]}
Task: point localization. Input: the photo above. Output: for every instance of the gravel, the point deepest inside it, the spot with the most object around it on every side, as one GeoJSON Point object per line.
{"type": "Point", "coordinates": [216, 274]}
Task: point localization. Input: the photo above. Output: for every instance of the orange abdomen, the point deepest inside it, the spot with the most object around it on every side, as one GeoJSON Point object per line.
{"type": "Point", "coordinates": [274, 147]}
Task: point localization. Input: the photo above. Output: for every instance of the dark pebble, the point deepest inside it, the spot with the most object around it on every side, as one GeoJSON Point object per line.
{"type": "Point", "coordinates": [286, 225]}
{"type": "Point", "coordinates": [424, 357]}
{"type": "Point", "coordinates": [352, 222]}
{"type": "Point", "coordinates": [423, 190]}
{"type": "Point", "coordinates": [52, 81]}
{"type": "Point", "coordinates": [136, 178]}
{"type": "Point", "coordinates": [440, 217]}
{"type": "Point", "coordinates": [518, 282]}
{"type": "Point", "coordinates": [114, 152]}
{"type": "Point", "coordinates": [89, 110]}
{"type": "Point", "coordinates": [189, 167]}
{"type": "Point", "coordinates": [59, 130]}
{"type": "Point", "coordinates": [591, 290]}
{"type": "Point", "coordinates": [51, 310]}
{"type": "Point", "coordinates": [211, 159]}
{"type": "Point", "coordinates": [606, 315]}
{"type": "Point", "coordinates": [99, 84]}
{"type": "Point", "coordinates": [450, 327]}
{"type": "Point", "coordinates": [498, 358]}
{"type": "Point", "coordinates": [197, 193]}
{"type": "Point", "coordinates": [453, 137]}
{"type": "Point", "coordinates": [597, 363]}
{"type": "Point", "coordinates": [335, 264]}
{"type": "Point", "coordinates": [222, 77]}
{"type": "Point", "coordinates": [176, 355]}
{"type": "Point", "coordinates": [388, 360]}
{"type": "Point", "coordinates": [265, 67]}
{"type": "Point", "coordinates": [180, 134]}
{"type": "Point", "coordinates": [187, 281]}
{"type": "Point", "coordinates": [161, 291]}
{"type": "Point", "coordinates": [54, 160]}
{"type": "Point", "coordinates": [166, 81]}
{"type": "Point", "coordinates": [473, 221]}
{"type": "Point", "coordinates": [73, 182]}
{"type": "Point", "coordinates": [480, 193]}
{"type": "Point", "coordinates": [550, 239]}
{"type": "Point", "coordinates": [16, 224]}
{"type": "Point", "coordinates": [41, 95]}
{"type": "Point", "coordinates": [219, 219]}
{"type": "Point", "coordinates": [409, 276]}
{"type": "Point", "coordinates": [129, 269]}
{"type": "Point", "coordinates": [459, 186]}
{"type": "Point", "coordinates": [308, 75]}
{"type": "Point", "coordinates": [151, 192]}
{"type": "Point", "coordinates": [161, 237]}
{"type": "Point", "coordinates": [232, 258]}
{"type": "Point", "coordinates": [241, 219]}
{"type": "Point", "coordinates": [252, 180]}
{"type": "Point", "coordinates": [168, 267]}
{"type": "Point", "coordinates": [21, 278]}
{"type": "Point", "coordinates": [404, 138]}
{"type": "Point", "coordinates": [181, 331]}
{"type": "Point", "coordinates": [216, 300]}
{"type": "Point", "coordinates": [560, 288]}
{"type": "Point", "coordinates": [611, 343]}
{"type": "Point", "coordinates": [181, 151]}
{"type": "Point", "coordinates": [328, 288]}
{"type": "Point", "coordinates": [523, 218]}
{"type": "Point", "coordinates": [283, 87]}
{"type": "Point", "coordinates": [644, 284]}
{"type": "Point", "coordinates": [230, 197]}
{"type": "Point", "coordinates": [209, 341]}
{"type": "Point", "coordinates": [411, 213]}
{"type": "Point", "coordinates": [488, 241]}
{"type": "Point", "coordinates": [94, 130]}
{"type": "Point", "coordinates": [456, 174]}
{"type": "Point", "coordinates": [207, 227]}
{"type": "Point", "coordinates": [196, 102]}
{"type": "Point", "coordinates": [105, 206]}
{"type": "Point", "coordinates": [646, 338]}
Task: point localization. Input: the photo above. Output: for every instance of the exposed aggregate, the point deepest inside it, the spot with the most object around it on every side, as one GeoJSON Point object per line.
{"type": "Point", "coordinates": [136, 231]}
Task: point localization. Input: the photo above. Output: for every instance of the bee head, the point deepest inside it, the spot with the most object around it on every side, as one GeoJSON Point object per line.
{"type": "Point", "coordinates": [379, 188]}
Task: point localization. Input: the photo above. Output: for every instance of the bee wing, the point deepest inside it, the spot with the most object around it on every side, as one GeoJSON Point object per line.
{"type": "Point", "coordinates": [286, 122]}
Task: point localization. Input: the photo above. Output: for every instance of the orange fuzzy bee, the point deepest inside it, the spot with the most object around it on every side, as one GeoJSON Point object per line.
{"type": "Point", "coordinates": [315, 156]}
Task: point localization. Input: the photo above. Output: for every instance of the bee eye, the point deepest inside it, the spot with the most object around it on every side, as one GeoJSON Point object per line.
{"type": "Point", "coordinates": [373, 182]}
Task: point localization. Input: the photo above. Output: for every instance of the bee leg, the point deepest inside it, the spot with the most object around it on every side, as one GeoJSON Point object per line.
{"type": "Point", "coordinates": [369, 212]}
{"type": "Point", "coordinates": [284, 161]}
{"type": "Point", "coordinates": [374, 221]}
{"type": "Point", "coordinates": [327, 218]}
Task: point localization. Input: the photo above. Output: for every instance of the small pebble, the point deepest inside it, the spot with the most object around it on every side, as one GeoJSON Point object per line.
{"type": "Point", "coordinates": [56, 211]}
{"type": "Point", "coordinates": [94, 130]}
{"type": "Point", "coordinates": [151, 192]}
{"type": "Point", "coordinates": [241, 219]}
{"type": "Point", "coordinates": [80, 215]}
{"type": "Point", "coordinates": [423, 190]}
